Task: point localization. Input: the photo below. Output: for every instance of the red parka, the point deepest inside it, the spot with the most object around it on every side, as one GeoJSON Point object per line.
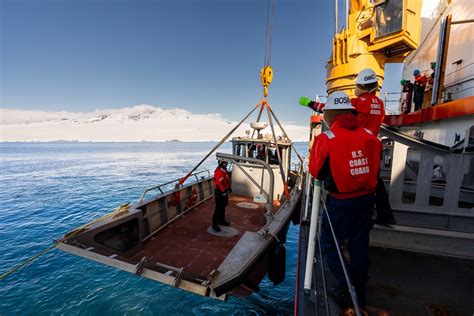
{"type": "Point", "coordinates": [354, 157]}
{"type": "Point", "coordinates": [370, 111]}
{"type": "Point", "coordinates": [221, 179]}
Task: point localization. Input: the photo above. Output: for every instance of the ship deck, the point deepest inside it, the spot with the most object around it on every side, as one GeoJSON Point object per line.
{"type": "Point", "coordinates": [186, 242]}
{"type": "Point", "coordinates": [404, 283]}
{"type": "Point", "coordinates": [401, 283]}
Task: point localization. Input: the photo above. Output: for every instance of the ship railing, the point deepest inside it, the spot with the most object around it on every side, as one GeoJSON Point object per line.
{"type": "Point", "coordinates": [174, 181]}
{"type": "Point", "coordinates": [418, 193]}
{"type": "Point", "coordinates": [393, 105]}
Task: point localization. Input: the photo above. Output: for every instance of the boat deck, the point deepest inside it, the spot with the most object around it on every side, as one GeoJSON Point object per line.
{"type": "Point", "coordinates": [186, 243]}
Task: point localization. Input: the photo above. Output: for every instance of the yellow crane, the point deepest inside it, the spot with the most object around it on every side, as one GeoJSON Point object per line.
{"type": "Point", "coordinates": [384, 31]}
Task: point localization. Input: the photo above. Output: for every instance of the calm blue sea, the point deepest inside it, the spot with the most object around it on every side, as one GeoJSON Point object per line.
{"type": "Point", "coordinates": [47, 189]}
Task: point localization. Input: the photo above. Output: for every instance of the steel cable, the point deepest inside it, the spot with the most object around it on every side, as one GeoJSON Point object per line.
{"type": "Point", "coordinates": [343, 264]}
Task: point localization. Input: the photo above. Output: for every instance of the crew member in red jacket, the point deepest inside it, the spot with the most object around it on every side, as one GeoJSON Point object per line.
{"type": "Point", "coordinates": [370, 109]}
{"type": "Point", "coordinates": [347, 159]}
{"type": "Point", "coordinates": [222, 189]}
{"type": "Point", "coordinates": [370, 114]}
{"type": "Point", "coordinates": [419, 89]}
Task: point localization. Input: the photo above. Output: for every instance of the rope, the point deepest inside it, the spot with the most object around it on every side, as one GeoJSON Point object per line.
{"type": "Point", "coordinates": [343, 264]}
{"type": "Point", "coordinates": [57, 242]}
{"type": "Point", "coordinates": [323, 277]}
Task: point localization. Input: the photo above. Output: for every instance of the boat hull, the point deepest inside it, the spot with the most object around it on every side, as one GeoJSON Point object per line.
{"type": "Point", "coordinates": [167, 239]}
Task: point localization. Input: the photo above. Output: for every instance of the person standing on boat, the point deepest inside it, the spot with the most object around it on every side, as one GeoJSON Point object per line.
{"type": "Point", "coordinates": [347, 158]}
{"type": "Point", "coordinates": [222, 189]}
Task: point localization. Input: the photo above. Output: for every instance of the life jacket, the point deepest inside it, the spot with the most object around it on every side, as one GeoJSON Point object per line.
{"type": "Point", "coordinates": [420, 83]}
{"type": "Point", "coordinates": [221, 179]}
{"type": "Point", "coordinates": [354, 158]}
{"type": "Point", "coordinates": [370, 111]}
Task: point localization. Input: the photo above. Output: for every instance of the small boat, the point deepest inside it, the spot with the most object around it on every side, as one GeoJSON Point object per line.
{"type": "Point", "coordinates": [167, 237]}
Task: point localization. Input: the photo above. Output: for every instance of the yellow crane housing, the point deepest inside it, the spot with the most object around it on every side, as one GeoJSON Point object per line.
{"type": "Point", "coordinates": [378, 33]}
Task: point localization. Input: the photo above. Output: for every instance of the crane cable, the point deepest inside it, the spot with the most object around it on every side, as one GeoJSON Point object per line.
{"type": "Point", "coordinates": [268, 35]}
{"type": "Point", "coordinates": [266, 73]}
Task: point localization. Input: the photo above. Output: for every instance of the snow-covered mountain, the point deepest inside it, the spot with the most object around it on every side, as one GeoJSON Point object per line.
{"type": "Point", "coordinates": [137, 123]}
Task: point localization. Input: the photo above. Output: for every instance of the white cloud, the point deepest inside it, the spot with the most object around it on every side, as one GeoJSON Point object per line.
{"type": "Point", "coordinates": [137, 123]}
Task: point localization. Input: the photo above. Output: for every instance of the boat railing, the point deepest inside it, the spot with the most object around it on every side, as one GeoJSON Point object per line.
{"type": "Point", "coordinates": [297, 167]}
{"type": "Point", "coordinates": [236, 161]}
{"type": "Point", "coordinates": [176, 181]}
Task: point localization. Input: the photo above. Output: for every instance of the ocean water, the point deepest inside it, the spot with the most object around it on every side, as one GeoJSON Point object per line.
{"type": "Point", "coordinates": [47, 189]}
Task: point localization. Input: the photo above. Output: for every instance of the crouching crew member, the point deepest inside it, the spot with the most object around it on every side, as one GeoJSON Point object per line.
{"type": "Point", "coordinates": [221, 193]}
{"type": "Point", "coordinates": [347, 159]}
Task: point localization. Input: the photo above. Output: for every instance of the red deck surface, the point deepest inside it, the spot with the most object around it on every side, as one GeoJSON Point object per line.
{"type": "Point", "coordinates": [187, 244]}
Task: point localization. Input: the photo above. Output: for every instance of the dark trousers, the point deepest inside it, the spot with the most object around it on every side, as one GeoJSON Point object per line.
{"type": "Point", "coordinates": [222, 199]}
{"type": "Point", "coordinates": [418, 99]}
{"type": "Point", "coordinates": [352, 222]}
{"type": "Point", "coordinates": [382, 202]}
{"type": "Point", "coordinates": [408, 101]}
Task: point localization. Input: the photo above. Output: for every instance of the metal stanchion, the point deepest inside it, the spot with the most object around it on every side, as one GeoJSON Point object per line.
{"type": "Point", "coordinates": [307, 191]}
{"type": "Point", "coordinates": [312, 234]}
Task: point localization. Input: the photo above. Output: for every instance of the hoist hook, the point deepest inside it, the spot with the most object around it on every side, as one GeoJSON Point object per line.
{"type": "Point", "coordinates": [266, 75]}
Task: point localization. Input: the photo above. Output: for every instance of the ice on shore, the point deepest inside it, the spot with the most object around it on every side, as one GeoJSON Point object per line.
{"type": "Point", "coordinates": [133, 124]}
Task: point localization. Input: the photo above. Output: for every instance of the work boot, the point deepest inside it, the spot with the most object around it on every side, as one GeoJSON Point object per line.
{"type": "Point", "coordinates": [216, 228]}
{"type": "Point", "coordinates": [224, 223]}
{"type": "Point", "coordinates": [352, 312]}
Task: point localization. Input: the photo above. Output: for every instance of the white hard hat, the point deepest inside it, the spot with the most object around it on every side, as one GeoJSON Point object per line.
{"type": "Point", "coordinates": [366, 76]}
{"type": "Point", "coordinates": [338, 100]}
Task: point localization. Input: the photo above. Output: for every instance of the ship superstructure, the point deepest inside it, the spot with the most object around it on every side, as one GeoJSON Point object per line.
{"type": "Point", "coordinates": [427, 163]}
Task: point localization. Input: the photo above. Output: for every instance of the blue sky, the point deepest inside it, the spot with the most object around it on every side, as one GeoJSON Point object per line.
{"type": "Point", "coordinates": [203, 56]}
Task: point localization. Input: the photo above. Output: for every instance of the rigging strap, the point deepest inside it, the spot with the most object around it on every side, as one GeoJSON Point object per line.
{"type": "Point", "coordinates": [280, 162]}
{"type": "Point", "coordinates": [219, 144]}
